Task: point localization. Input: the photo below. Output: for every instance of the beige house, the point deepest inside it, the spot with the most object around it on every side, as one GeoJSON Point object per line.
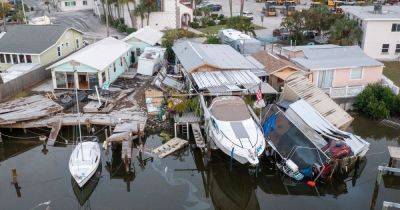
{"type": "Point", "coordinates": [340, 71]}
{"type": "Point", "coordinates": [37, 44]}
{"type": "Point", "coordinates": [278, 69]}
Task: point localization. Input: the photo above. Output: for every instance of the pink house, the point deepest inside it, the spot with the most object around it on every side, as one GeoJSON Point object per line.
{"type": "Point", "coordinates": [341, 71]}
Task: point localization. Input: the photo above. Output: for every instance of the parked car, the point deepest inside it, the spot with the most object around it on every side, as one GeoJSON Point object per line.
{"type": "Point", "coordinates": [213, 7]}
{"type": "Point", "coordinates": [248, 15]}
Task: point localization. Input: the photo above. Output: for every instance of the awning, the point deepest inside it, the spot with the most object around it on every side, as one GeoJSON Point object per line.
{"type": "Point", "coordinates": [284, 74]}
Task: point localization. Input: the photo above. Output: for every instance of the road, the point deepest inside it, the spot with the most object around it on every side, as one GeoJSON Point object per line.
{"type": "Point", "coordinates": [270, 23]}
{"type": "Point", "coordinates": [84, 20]}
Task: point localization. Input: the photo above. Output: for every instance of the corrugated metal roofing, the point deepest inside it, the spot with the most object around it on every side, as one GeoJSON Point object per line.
{"type": "Point", "coordinates": [206, 80]}
{"type": "Point", "coordinates": [335, 57]}
{"type": "Point", "coordinates": [314, 96]}
{"type": "Point", "coordinates": [194, 55]}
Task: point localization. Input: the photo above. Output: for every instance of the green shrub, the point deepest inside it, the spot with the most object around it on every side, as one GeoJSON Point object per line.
{"type": "Point", "coordinates": [130, 30]}
{"type": "Point", "coordinates": [197, 12]}
{"type": "Point", "coordinates": [214, 16]}
{"type": "Point", "coordinates": [211, 23]}
{"type": "Point", "coordinates": [194, 24]}
{"type": "Point", "coordinates": [377, 102]}
{"type": "Point", "coordinates": [212, 39]}
{"type": "Point", "coordinates": [221, 17]}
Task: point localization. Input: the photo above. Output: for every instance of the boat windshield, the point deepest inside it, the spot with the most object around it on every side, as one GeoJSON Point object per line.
{"type": "Point", "coordinates": [230, 109]}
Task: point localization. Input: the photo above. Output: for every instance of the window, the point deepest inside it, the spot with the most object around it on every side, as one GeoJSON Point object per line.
{"type": "Point", "coordinates": [84, 3]}
{"type": "Point", "coordinates": [356, 73]}
{"type": "Point", "coordinates": [2, 60]}
{"type": "Point", "coordinates": [28, 58]}
{"type": "Point", "coordinates": [77, 43]}
{"type": "Point", "coordinates": [103, 76]}
{"type": "Point", "coordinates": [61, 80]}
{"type": "Point", "coordinates": [66, 44]}
{"type": "Point", "coordinates": [66, 3]}
{"type": "Point", "coordinates": [114, 68]}
{"type": "Point", "coordinates": [8, 58]}
{"type": "Point", "coordinates": [325, 78]}
{"type": "Point", "coordinates": [15, 58]}
{"type": "Point", "coordinates": [397, 51]}
{"type": "Point", "coordinates": [21, 58]}
{"type": "Point", "coordinates": [73, 3]}
{"type": "Point", "coordinates": [59, 51]}
{"type": "Point", "coordinates": [395, 27]}
{"type": "Point", "coordinates": [138, 52]}
{"type": "Point", "coordinates": [120, 61]}
{"type": "Point", "coordinates": [385, 48]}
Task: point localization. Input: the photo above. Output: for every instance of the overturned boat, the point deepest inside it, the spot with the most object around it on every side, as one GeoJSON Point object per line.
{"type": "Point", "coordinates": [307, 144]}
{"type": "Point", "coordinates": [233, 130]}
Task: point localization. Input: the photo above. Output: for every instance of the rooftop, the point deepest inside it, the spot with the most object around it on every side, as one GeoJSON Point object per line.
{"type": "Point", "coordinates": [17, 70]}
{"type": "Point", "coordinates": [147, 34]}
{"type": "Point", "coordinates": [273, 62]}
{"type": "Point", "coordinates": [367, 12]}
{"type": "Point", "coordinates": [318, 57]}
{"type": "Point", "coordinates": [223, 57]}
{"type": "Point", "coordinates": [31, 39]}
{"type": "Point", "coordinates": [98, 55]}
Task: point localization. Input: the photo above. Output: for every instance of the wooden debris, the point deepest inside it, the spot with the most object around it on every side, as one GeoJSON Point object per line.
{"type": "Point", "coordinates": [154, 100]}
{"type": "Point", "coordinates": [170, 147]}
{"type": "Point", "coordinates": [54, 132]}
{"type": "Point", "coordinates": [28, 108]}
{"type": "Point", "coordinates": [91, 107]}
{"type": "Point", "coordinates": [198, 137]}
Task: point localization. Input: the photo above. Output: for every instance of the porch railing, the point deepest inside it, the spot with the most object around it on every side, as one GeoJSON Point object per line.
{"type": "Point", "coordinates": [344, 92]}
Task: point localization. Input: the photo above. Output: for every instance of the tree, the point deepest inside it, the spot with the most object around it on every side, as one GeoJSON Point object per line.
{"type": "Point", "coordinates": [345, 32]}
{"type": "Point", "coordinates": [131, 16]}
{"type": "Point", "coordinates": [296, 25]}
{"type": "Point", "coordinates": [230, 8]}
{"type": "Point", "coordinates": [140, 10]}
{"type": "Point", "coordinates": [4, 9]}
{"type": "Point", "coordinates": [151, 6]}
{"type": "Point", "coordinates": [319, 19]}
{"type": "Point", "coordinates": [240, 23]}
{"type": "Point", "coordinates": [241, 7]}
{"type": "Point", "coordinates": [169, 38]}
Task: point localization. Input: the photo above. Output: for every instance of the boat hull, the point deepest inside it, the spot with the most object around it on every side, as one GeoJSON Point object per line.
{"type": "Point", "coordinates": [84, 161]}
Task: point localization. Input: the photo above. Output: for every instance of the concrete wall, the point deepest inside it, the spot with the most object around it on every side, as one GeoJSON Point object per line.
{"type": "Point", "coordinates": [377, 33]}
{"type": "Point", "coordinates": [79, 5]}
{"type": "Point", "coordinates": [69, 37]}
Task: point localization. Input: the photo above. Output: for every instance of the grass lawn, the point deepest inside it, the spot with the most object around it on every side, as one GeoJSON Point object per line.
{"type": "Point", "coordinates": [392, 71]}
{"type": "Point", "coordinates": [216, 28]}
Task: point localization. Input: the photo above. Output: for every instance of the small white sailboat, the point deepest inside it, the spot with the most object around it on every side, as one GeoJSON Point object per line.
{"type": "Point", "coordinates": [234, 131]}
{"type": "Point", "coordinates": [85, 158]}
{"type": "Point", "coordinates": [84, 161]}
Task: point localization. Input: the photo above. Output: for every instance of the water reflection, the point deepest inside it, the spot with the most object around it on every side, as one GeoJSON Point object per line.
{"type": "Point", "coordinates": [362, 127]}
{"type": "Point", "coordinates": [83, 194]}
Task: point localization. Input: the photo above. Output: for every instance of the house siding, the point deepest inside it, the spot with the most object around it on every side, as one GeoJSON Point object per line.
{"type": "Point", "coordinates": [70, 36]}
{"type": "Point", "coordinates": [369, 75]}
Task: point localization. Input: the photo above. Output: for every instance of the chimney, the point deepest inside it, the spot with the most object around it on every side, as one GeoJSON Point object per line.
{"type": "Point", "coordinates": [377, 8]}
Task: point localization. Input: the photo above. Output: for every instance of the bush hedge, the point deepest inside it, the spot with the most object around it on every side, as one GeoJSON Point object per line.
{"type": "Point", "coordinates": [377, 102]}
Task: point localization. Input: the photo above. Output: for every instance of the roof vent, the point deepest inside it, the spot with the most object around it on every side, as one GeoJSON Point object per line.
{"type": "Point", "coordinates": [377, 8]}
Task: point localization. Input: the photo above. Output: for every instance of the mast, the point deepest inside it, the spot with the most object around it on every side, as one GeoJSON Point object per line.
{"type": "Point", "coordinates": [74, 65]}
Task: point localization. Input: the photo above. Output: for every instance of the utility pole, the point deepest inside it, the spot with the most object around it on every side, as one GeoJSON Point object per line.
{"type": "Point", "coordinates": [4, 15]}
{"type": "Point", "coordinates": [23, 10]}
{"type": "Point", "coordinates": [108, 29]}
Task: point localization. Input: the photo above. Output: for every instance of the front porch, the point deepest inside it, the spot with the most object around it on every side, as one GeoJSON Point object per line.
{"type": "Point", "coordinates": [79, 80]}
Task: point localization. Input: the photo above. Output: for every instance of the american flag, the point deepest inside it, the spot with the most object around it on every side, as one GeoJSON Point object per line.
{"type": "Point", "coordinates": [259, 94]}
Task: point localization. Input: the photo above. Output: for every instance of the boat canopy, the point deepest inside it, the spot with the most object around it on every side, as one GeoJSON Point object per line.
{"type": "Point", "coordinates": [289, 141]}
{"type": "Point", "coordinates": [230, 108]}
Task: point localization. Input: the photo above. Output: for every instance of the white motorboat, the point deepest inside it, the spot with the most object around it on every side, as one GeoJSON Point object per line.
{"type": "Point", "coordinates": [84, 161]}
{"type": "Point", "coordinates": [234, 131]}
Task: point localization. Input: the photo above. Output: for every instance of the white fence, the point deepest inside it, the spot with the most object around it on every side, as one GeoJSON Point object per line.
{"type": "Point", "coordinates": [389, 83]}
{"type": "Point", "coordinates": [344, 92]}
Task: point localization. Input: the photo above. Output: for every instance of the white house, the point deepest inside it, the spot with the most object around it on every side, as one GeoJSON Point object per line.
{"type": "Point", "coordinates": [381, 29]}
{"type": "Point", "coordinates": [142, 38]}
{"type": "Point", "coordinates": [98, 64]}
{"type": "Point", "coordinates": [74, 5]}
{"type": "Point", "coordinates": [150, 60]}
{"type": "Point", "coordinates": [170, 14]}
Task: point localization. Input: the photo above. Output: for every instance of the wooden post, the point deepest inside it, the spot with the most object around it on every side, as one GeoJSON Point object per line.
{"type": "Point", "coordinates": [1, 140]}
{"type": "Point", "coordinates": [175, 129]}
{"type": "Point", "coordinates": [187, 131]}
{"type": "Point", "coordinates": [14, 175]}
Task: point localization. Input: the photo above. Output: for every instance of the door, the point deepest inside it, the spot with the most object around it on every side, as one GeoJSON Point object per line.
{"type": "Point", "coordinates": [83, 81]}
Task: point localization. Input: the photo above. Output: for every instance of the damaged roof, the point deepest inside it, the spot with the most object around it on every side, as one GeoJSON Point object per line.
{"type": "Point", "coordinates": [146, 34]}
{"type": "Point", "coordinates": [273, 63]}
{"type": "Point", "coordinates": [223, 57]}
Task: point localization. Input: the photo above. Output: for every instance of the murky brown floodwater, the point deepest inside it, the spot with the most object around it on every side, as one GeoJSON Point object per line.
{"type": "Point", "coordinates": [183, 182]}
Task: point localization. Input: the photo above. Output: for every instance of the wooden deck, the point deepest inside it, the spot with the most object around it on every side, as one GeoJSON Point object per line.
{"type": "Point", "coordinates": [170, 147]}
{"type": "Point", "coordinates": [187, 118]}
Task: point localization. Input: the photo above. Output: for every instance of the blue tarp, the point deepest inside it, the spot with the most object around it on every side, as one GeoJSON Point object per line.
{"type": "Point", "coordinates": [269, 124]}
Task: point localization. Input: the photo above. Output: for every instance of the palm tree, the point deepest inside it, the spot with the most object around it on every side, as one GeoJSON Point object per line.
{"type": "Point", "coordinates": [230, 7]}
{"type": "Point", "coordinates": [241, 7]}
{"type": "Point", "coordinates": [345, 32]}
{"type": "Point", "coordinates": [151, 5]}
{"type": "Point", "coordinates": [140, 10]}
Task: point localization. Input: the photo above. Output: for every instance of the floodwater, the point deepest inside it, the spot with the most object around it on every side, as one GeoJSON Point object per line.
{"type": "Point", "coordinates": [183, 182]}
